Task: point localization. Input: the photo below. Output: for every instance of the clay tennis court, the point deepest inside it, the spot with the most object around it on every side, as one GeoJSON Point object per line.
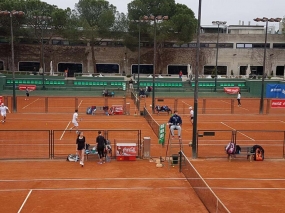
{"type": "Point", "coordinates": [38, 185]}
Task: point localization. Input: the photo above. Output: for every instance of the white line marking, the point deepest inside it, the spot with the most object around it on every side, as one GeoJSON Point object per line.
{"type": "Point", "coordinates": [135, 188]}
{"type": "Point", "coordinates": [89, 179]}
{"type": "Point", "coordinates": [226, 102]}
{"type": "Point", "coordinates": [80, 103]}
{"type": "Point", "coordinates": [64, 130]}
{"type": "Point", "coordinates": [238, 132]}
{"type": "Point", "coordinates": [30, 103]}
{"type": "Point", "coordinates": [25, 201]}
{"type": "Point", "coordinates": [145, 179]}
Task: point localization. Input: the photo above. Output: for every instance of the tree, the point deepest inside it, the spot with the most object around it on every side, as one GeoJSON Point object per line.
{"type": "Point", "coordinates": [41, 20]}
{"type": "Point", "coordinates": [180, 27]}
{"type": "Point", "coordinates": [97, 18]}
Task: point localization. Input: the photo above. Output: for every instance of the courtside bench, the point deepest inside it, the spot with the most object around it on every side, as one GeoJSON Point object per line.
{"type": "Point", "coordinates": [244, 151]}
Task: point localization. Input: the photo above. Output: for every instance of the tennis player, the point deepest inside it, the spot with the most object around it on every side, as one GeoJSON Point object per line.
{"type": "Point", "coordinates": [27, 93]}
{"type": "Point", "coordinates": [191, 114]}
{"type": "Point", "coordinates": [3, 110]}
{"type": "Point", "coordinates": [80, 141]}
{"type": "Point", "coordinates": [75, 121]}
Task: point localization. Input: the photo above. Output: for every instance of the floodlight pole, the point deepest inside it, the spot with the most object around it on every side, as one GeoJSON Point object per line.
{"type": "Point", "coordinates": [217, 54]}
{"type": "Point", "coordinates": [154, 65]}
{"type": "Point", "coordinates": [11, 14]}
{"type": "Point", "coordinates": [139, 58]}
{"type": "Point", "coordinates": [13, 63]}
{"type": "Point", "coordinates": [266, 20]}
{"type": "Point", "coordinates": [261, 106]}
{"type": "Point", "coordinates": [195, 119]}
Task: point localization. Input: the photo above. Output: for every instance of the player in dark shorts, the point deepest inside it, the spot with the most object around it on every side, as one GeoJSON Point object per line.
{"type": "Point", "coordinates": [27, 93]}
{"type": "Point", "coordinates": [101, 142]}
{"type": "Point", "coordinates": [80, 141]}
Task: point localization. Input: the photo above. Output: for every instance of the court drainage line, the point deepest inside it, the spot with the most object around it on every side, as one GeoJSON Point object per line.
{"type": "Point", "coordinates": [239, 132]}
{"type": "Point", "coordinates": [25, 201]}
{"type": "Point", "coordinates": [30, 103]}
{"type": "Point", "coordinates": [64, 130]}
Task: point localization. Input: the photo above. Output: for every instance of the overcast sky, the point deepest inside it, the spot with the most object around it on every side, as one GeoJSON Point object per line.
{"type": "Point", "coordinates": [212, 10]}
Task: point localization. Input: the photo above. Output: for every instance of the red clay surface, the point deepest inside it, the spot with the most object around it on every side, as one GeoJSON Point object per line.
{"type": "Point", "coordinates": [60, 186]}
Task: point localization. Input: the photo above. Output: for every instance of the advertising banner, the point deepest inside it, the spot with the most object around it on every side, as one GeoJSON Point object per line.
{"type": "Point", "coordinates": [275, 91]}
{"type": "Point", "coordinates": [278, 103]}
{"type": "Point", "coordinates": [118, 109]}
{"type": "Point", "coordinates": [30, 87]}
{"type": "Point", "coordinates": [126, 149]}
{"type": "Point", "coordinates": [1, 99]}
{"type": "Point", "coordinates": [231, 90]}
{"type": "Point", "coordinates": [161, 134]}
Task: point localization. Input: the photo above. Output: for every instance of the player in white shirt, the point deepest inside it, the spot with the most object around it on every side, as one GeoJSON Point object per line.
{"type": "Point", "coordinates": [3, 110]}
{"type": "Point", "coordinates": [191, 114]}
{"type": "Point", "coordinates": [75, 121]}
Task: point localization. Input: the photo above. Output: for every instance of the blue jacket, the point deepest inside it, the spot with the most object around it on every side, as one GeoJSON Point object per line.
{"type": "Point", "coordinates": [175, 120]}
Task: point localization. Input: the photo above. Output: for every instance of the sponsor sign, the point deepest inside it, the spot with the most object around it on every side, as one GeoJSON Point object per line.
{"type": "Point", "coordinates": [1, 99]}
{"type": "Point", "coordinates": [231, 90]}
{"type": "Point", "coordinates": [275, 91]}
{"type": "Point", "coordinates": [118, 109]}
{"type": "Point", "coordinates": [30, 87]}
{"type": "Point", "coordinates": [126, 149]}
{"type": "Point", "coordinates": [161, 134]}
{"type": "Point", "coordinates": [278, 103]}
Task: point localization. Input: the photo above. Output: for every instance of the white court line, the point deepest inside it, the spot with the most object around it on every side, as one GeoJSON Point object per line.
{"type": "Point", "coordinates": [123, 179]}
{"type": "Point", "coordinates": [98, 188]}
{"type": "Point", "coordinates": [226, 102]}
{"type": "Point", "coordinates": [64, 130]}
{"type": "Point", "coordinates": [88, 179]}
{"type": "Point", "coordinates": [136, 188]}
{"type": "Point", "coordinates": [186, 103]}
{"type": "Point", "coordinates": [25, 201]}
{"type": "Point", "coordinates": [30, 103]}
{"type": "Point", "coordinates": [80, 103]}
{"type": "Point", "coordinates": [239, 132]}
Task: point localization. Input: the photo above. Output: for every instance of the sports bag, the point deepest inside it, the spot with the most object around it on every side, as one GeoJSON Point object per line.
{"type": "Point", "coordinates": [72, 158]}
{"type": "Point", "coordinates": [258, 153]}
{"type": "Point", "coordinates": [230, 148]}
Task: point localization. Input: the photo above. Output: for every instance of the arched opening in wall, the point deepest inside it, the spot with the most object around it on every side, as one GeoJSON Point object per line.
{"type": "Point", "coordinates": [72, 68]}
{"type": "Point", "coordinates": [280, 70]}
{"type": "Point", "coordinates": [29, 66]}
{"type": "Point", "coordinates": [1, 65]}
{"type": "Point", "coordinates": [255, 70]}
{"type": "Point", "coordinates": [174, 69]}
{"type": "Point", "coordinates": [108, 68]}
{"type": "Point", "coordinates": [144, 69]}
{"type": "Point", "coordinates": [210, 70]}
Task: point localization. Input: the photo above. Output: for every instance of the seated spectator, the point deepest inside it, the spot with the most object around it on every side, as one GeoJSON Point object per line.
{"type": "Point", "coordinates": [142, 93]}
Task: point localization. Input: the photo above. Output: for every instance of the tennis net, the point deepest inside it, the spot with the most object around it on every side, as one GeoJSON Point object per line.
{"type": "Point", "coordinates": [153, 124]}
{"type": "Point", "coordinates": [202, 189]}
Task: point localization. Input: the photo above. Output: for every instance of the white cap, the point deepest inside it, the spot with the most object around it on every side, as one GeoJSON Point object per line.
{"type": "Point", "coordinates": [190, 107]}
